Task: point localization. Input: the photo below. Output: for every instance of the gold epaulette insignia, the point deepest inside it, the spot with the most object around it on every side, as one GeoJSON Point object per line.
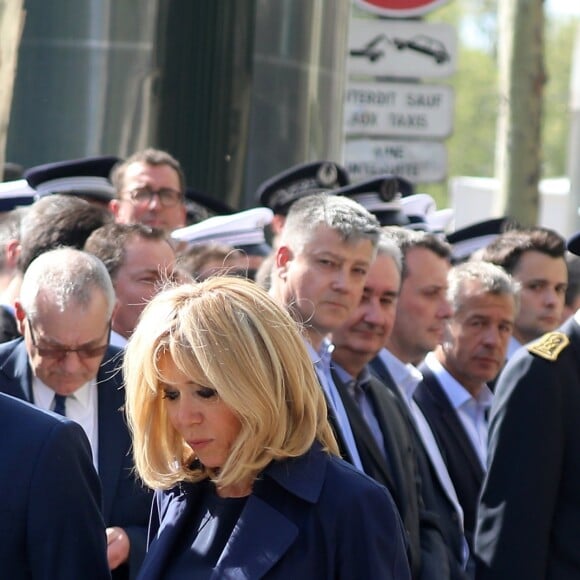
{"type": "Point", "coordinates": [550, 345]}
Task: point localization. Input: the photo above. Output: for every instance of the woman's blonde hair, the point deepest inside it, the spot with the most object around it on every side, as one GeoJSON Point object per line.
{"type": "Point", "coordinates": [228, 334]}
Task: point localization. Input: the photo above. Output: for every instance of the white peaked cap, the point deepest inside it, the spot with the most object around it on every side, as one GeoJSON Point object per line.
{"type": "Point", "coordinates": [418, 204]}
{"type": "Point", "coordinates": [15, 193]}
{"type": "Point", "coordinates": [244, 228]}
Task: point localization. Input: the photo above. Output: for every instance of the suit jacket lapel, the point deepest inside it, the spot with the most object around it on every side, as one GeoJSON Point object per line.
{"type": "Point", "coordinates": [371, 456]}
{"type": "Point", "coordinates": [269, 526]}
{"type": "Point", "coordinates": [112, 429]}
{"type": "Point", "coordinates": [434, 394]}
{"type": "Point", "coordinates": [388, 423]}
{"type": "Point", "coordinates": [342, 446]}
{"type": "Point", "coordinates": [381, 372]}
{"type": "Point", "coordinates": [178, 513]}
{"type": "Point", "coordinates": [253, 547]}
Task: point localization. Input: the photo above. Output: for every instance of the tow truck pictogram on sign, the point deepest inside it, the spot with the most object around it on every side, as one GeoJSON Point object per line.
{"type": "Point", "coordinates": [420, 43]}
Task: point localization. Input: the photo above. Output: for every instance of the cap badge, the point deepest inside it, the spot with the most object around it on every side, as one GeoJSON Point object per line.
{"type": "Point", "coordinates": [327, 174]}
{"type": "Point", "coordinates": [388, 190]}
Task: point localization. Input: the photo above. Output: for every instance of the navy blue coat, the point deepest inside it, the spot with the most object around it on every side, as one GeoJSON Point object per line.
{"type": "Point", "coordinates": [50, 520]}
{"type": "Point", "coordinates": [126, 503]}
{"type": "Point", "coordinates": [460, 456]}
{"type": "Point", "coordinates": [310, 517]}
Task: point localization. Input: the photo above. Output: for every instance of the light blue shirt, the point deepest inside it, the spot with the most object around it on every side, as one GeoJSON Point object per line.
{"type": "Point", "coordinates": [513, 346]}
{"type": "Point", "coordinates": [321, 361]}
{"type": "Point", "coordinates": [471, 411]}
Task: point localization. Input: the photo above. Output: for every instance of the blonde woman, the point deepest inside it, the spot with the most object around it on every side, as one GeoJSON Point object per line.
{"type": "Point", "coordinates": [230, 428]}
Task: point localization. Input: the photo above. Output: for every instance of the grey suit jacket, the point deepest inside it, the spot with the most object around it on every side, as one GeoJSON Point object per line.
{"type": "Point", "coordinates": [434, 496]}
{"type": "Point", "coordinates": [400, 474]}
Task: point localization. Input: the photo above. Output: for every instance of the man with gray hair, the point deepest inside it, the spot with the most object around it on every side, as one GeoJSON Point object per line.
{"type": "Point", "coordinates": [64, 363]}
{"type": "Point", "coordinates": [453, 394]}
{"type": "Point", "coordinates": [325, 251]}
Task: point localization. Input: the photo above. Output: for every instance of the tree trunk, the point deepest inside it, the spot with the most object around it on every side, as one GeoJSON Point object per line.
{"type": "Point", "coordinates": [521, 86]}
{"type": "Point", "coordinates": [11, 25]}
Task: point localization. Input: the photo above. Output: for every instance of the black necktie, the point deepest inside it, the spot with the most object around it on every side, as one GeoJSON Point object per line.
{"type": "Point", "coordinates": [59, 404]}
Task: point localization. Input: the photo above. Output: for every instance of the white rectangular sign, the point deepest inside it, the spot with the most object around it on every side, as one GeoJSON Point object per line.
{"type": "Point", "coordinates": [420, 162]}
{"type": "Point", "coordinates": [391, 48]}
{"type": "Point", "coordinates": [398, 110]}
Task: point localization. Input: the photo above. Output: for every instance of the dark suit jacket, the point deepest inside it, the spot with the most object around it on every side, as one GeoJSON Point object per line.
{"type": "Point", "coordinates": [126, 503]}
{"type": "Point", "coordinates": [310, 517]}
{"type": "Point", "coordinates": [529, 515]}
{"type": "Point", "coordinates": [399, 474]}
{"type": "Point", "coordinates": [50, 520]}
{"type": "Point", "coordinates": [434, 496]}
{"type": "Point", "coordinates": [461, 459]}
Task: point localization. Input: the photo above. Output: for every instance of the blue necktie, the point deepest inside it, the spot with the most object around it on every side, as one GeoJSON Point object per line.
{"type": "Point", "coordinates": [59, 404]}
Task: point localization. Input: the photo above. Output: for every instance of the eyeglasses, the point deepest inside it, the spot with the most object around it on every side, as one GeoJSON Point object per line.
{"type": "Point", "coordinates": [167, 197]}
{"type": "Point", "coordinates": [59, 352]}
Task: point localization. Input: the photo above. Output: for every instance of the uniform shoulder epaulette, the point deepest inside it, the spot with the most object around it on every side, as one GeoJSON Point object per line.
{"type": "Point", "coordinates": [550, 345]}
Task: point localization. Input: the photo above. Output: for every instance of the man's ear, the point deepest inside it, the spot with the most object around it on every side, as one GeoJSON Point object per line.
{"type": "Point", "coordinates": [12, 253]}
{"type": "Point", "coordinates": [284, 256]}
{"type": "Point", "coordinates": [20, 317]}
{"type": "Point", "coordinates": [114, 206]}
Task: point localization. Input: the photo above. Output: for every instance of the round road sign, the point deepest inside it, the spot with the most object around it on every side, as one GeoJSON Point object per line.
{"type": "Point", "coordinates": [399, 8]}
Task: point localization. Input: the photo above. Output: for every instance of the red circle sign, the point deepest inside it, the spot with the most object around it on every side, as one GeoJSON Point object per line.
{"type": "Point", "coordinates": [399, 8]}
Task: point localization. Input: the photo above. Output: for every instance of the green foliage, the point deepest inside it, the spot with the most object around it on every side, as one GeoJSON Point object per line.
{"type": "Point", "coordinates": [559, 44]}
{"type": "Point", "coordinates": [471, 148]}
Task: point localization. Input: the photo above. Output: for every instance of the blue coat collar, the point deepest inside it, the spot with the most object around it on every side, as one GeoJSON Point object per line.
{"type": "Point", "coordinates": [268, 524]}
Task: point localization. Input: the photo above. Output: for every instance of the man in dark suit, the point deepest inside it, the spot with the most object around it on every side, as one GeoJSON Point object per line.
{"type": "Point", "coordinates": [453, 394]}
{"type": "Point", "coordinates": [528, 521]}
{"type": "Point", "coordinates": [380, 428]}
{"type": "Point", "coordinates": [50, 520]}
{"type": "Point", "coordinates": [422, 309]}
{"type": "Point", "coordinates": [64, 363]}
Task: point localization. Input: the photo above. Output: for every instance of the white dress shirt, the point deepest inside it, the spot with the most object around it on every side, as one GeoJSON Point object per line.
{"type": "Point", "coordinates": [407, 377]}
{"type": "Point", "coordinates": [117, 340]}
{"type": "Point", "coordinates": [81, 407]}
{"type": "Point", "coordinates": [471, 411]}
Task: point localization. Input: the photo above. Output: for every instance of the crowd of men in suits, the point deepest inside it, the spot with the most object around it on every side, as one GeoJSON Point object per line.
{"type": "Point", "coordinates": [408, 338]}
